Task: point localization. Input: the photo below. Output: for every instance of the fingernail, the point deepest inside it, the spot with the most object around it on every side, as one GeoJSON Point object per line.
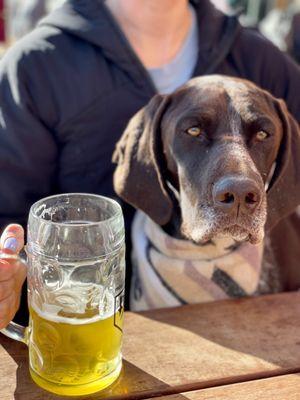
{"type": "Point", "coordinates": [11, 244]}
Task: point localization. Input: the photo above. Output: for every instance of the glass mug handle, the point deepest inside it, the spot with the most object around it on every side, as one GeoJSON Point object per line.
{"type": "Point", "coordinates": [13, 330]}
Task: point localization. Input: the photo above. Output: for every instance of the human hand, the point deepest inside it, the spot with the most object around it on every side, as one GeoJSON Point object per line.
{"type": "Point", "coordinates": [12, 272]}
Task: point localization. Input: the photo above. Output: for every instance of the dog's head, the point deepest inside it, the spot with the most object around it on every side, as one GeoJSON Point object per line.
{"type": "Point", "coordinates": [229, 150]}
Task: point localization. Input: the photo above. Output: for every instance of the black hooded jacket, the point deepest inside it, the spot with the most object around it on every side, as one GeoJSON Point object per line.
{"type": "Point", "coordinates": [68, 89]}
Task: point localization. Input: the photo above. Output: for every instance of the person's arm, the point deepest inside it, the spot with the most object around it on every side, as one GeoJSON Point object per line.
{"type": "Point", "coordinates": [28, 150]}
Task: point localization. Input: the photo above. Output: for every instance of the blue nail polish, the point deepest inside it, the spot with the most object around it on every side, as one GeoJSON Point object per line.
{"type": "Point", "coordinates": [11, 244]}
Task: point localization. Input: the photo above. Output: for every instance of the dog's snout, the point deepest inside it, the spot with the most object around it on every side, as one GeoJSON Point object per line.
{"type": "Point", "coordinates": [231, 194]}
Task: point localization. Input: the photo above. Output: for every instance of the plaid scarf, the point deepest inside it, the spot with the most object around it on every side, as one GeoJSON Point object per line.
{"type": "Point", "coordinates": [170, 272]}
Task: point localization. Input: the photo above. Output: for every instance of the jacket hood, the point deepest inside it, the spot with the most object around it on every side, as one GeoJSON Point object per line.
{"type": "Point", "coordinates": [91, 20]}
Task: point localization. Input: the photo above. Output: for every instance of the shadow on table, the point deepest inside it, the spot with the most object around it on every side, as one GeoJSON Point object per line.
{"type": "Point", "coordinates": [25, 388]}
{"type": "Point", "coordinates": [266, 327]}
{"type": "Point", "coordinates": [133, 383]}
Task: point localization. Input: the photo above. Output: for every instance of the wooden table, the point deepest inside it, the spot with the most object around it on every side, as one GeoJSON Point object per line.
{"type": "Point", "coordinates": [245, 349]}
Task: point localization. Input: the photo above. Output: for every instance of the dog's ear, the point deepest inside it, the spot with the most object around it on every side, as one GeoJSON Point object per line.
{"type": "Point", "coordinates": [138, 178]}
{"type": "Point", "coordinates": [284, 191]}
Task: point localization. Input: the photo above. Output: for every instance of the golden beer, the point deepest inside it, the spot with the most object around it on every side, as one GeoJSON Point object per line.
{"type": "Point", "coordinates": [76, 279]}
{"type": "Point", "coordinates": [71, 356]}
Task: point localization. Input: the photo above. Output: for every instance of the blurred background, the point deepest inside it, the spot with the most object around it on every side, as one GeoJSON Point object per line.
{"type": "Point", "coordinates": [278, 20]}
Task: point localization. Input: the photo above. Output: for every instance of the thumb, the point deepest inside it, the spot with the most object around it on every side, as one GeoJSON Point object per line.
{"type": "Point", "coordinates": [12, 239]}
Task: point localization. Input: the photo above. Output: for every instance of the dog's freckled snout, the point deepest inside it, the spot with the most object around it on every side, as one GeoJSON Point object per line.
{"type": "Point", "coordinates": [233, 193]}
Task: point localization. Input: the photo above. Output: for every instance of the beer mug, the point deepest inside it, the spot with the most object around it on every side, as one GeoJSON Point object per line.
{"type": "Point", "coordinates": [76, 273]}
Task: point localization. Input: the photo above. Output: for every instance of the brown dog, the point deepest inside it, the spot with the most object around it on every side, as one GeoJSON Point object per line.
{"type": "Point", "coordinates": [217, 157]}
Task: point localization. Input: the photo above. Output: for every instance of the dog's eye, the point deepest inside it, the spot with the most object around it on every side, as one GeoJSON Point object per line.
{"type": "Point", "coordinates": [261, 135]}
{"type": "Point", "coordinates": [194, 131]}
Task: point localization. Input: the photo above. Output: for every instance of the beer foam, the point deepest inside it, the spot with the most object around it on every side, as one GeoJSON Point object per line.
{"type": "Point", "coordinates": [50, 313]}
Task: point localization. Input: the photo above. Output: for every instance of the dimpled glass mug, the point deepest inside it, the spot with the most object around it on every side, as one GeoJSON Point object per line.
{"type": "Point", "coordinates": [76, 275]}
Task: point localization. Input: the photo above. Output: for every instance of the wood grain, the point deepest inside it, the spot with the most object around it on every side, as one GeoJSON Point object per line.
{"type": "Point", "coordinates": [281, 388]}
{"type": "Point", "coordinates": [175, 350]}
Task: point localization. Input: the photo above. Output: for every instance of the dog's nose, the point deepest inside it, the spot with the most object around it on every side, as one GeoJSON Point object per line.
{"type": "Point", "coordinates": [232, 194]}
